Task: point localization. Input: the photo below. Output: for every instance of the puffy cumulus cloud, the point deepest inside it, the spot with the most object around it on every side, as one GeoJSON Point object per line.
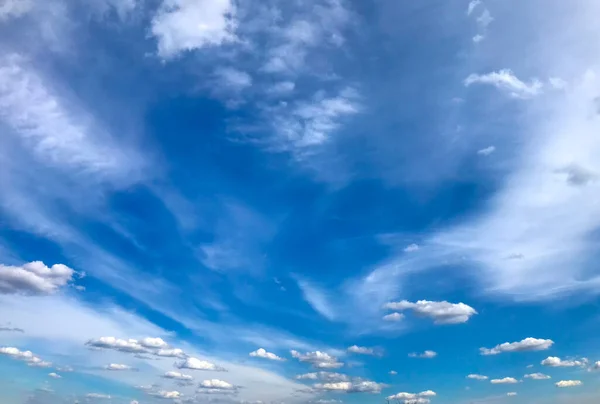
{"type": "Point", "coordinates": [506, 380]}
{"type": "Point", "coordinates": [171, 353]}
{"type": "Point", "coordinates": [477, 377]}
{"type": "Point", "coordinates": [166, 394]}
{"type": "Point", "coordinates": [424, 355]}
{"type": "Point", "coordinates": [362, 350]}
{"type": "Point", "coordinates": [186, 25]}
{"type": "Point", "coordinates": [393, 317]}
{"type": "Point", "coordinates": [325, 376]}
{"type": "Point", "coordinates": [153, 343]}
{"type": "Point", "coordinates": [528, 344]}
{"type": "Point", "coordinates": [54, 375]}
{"type": "Point", "coordinates": [198, 364]}
{"type": "Point", "coordinates": [569, 383]}
{"type": "Point", "coordinates": [320, 360]}
{"type": "Point", "coordinates": [359, 386]}
{"type": "Point", "coordinates": [117, 344]}
{"type": "Point", "coordinates": [440, 312]}
{"type": "Point", "coordinates": [216, 384]}
{"type": "Point", "coordinates": [25, 356]}
{"type": "Point", "coordinates": [177, 376]}
{"type": "Point", "coordinates": [413, 398]}
{"type": "Point", "coordinates": [506, 80]}
{"type": "Point", "coordinates": [555, 362]}
{"type": "Point", "coordinates": [117, 367]}
{"type": "Point", "coordinates": [34, 278]}
{"type": "Point", "coordinates": [262, 353]}
{"type": "Point", "coordinates": [537, 376]}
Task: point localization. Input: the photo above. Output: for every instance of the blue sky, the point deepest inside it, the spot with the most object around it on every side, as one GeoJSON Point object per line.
{"type": "Point", "coordinates": [313, 201]}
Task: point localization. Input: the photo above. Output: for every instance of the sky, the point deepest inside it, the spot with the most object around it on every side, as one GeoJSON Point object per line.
{"type": "Point", "coordinates": [300, 202]}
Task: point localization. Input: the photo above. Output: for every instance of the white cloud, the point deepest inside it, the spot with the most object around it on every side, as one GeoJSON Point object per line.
{"type": "Point", "coordinates": [413, 398]}
{"type": "Point", "coordinates": [197, 364]}
{"type": "Point", "coordinates": [177, 376]}
{"type": "Point", "coordinates": [441, 312]}
{"type": "Point", "coordinates": [153, 343]}
{"type": "Point", "coordinates": [423, 355]}
{"type": "Point", "coordinates": [472, 5]}
{"type": "Point", "coordinates": [170, 353]}
{"type": "Point", "coordinates": [511, 394]}
{"type": "Point", "coordinates": [568, 383]}
{"type": "Point", "coordinates": [411, 248]}
{"type": "Point", "coordinates": [122, 345]}
{"type": "Point", "coordinates": [506, 380]}
{"type": "Point", "coordinates": [262, 353]}
{"type": "Point", "coordinates": [14, 8]}
{"type": "Point", "coordinates": [54, 375]}
{"type": "Point", "coordinates": [216, 384]}
{"type": "Point", "coordinates": [34, 278]}
{"type": "Point", "coordinates": [393, 317]}
{"type": "Point", "coordinates": [186, 25]}
{"type": "Point", "coordinates": [312, 123]}
{"type": "Point", "coordinates": [320, 360]}
{"type": "Point", "coordinates": [166, 394]}
{"type": "Point", "coordinates": [351, 387]}
{"type": "Point", "coordinates": [477, 377]}
{"type": "Point", "coordinates": [25, 356]}
{"type": "Point", "coordinates": [233, 78]}
{"type": "Point", "coordinates": [528, 344]}
{"type": "Point", "coordinates": [99, 396]}
{"type": "Point", "coordinates": [393, 372]}
{"type": "Point", "coordinates": [537, 376]}
{"type": "Point", "coordinates": [117, 367]}
{"type": "Point", "coordinates": [553, 361]}
{"type": "Point", "coordinates": [361, 350]}
{"type": "Point", "coordinates": [506, 80]}
{"type": "Point", "coordinates": [485, 19]}
{"type": "Point", "coordinates": [478, 38]}
{"type": "Point", "coordinates": [486, 151]}
{"type": "Point", "coordinates": [331, 377]}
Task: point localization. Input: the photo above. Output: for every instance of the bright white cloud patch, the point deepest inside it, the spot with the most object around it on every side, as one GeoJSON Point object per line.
{"type": "Point", "coordinates": [393, 317]}
{"type": "Point", "coordinates": [351, 387]}
{"type": "Point", "coordinates": [170, 353]}
{"type": "Point", "coordinates": [506, 380]}
{"type": "Point", "coordinates": [569, 383]}
{"type": "Point", "coordinates": [153, 343]}
{"type": "Point", "coordinates": [486, 151]}
{"type": "Point", "coordinates": [537, 376]}
{"type": "Point", "coordinates": [555, 362]}
{"type": "Point", "coordinates": [393, 372]}
{"type": "Point", "coordinates": [177, 376]}
{"type": "Point", "coordinates": [413, 398]}
{"type": "Point", "coordinates": [325, 376]}
{"type": "Point", "coordinates": [262, 353]}
{"type": "Point", "coordinates": [440, 312]}
{"type": "Point", "coordinates": [122, 345]}
{"type": "Point", "coordinates": [320, 360]}
{"type": "Point", "coordinates": [477, 377]}
{"type": "Point", "coordinates": [528, 344]}
{"type": "Point", "coordinates": [98, 396]}
{"type": "Point", "coordinates": [186, 25]}
{"type": "Point", "coordinates": [166, 394]}
{"type": "Point", "coordinates": [197, 364]}
{"type": "Point", "coordinates": [411, 248]}
{"type": "Point", "coordinates": [25, 356]}
{"type": "Point", "coordinates": [54, 375]}
{"type": "Point", "coordinates": [423, 355]}
{"type": "Point", "coordinates": [216, 384]}
{"type": "Point", "coordinates": [472, 6]}
{"type": "Point", "coordinates": [511, 394]}
{"type": "Point", "coordinates": [117, 367]}
{"type": "Point", "coordinates": [34, 278]}
{"type": "Point", "coordinates": [507, 81]}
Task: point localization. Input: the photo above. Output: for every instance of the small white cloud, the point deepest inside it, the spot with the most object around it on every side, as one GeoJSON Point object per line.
{"type": "Point", "coordinates": [234, 78]}
{"type": "Point", "coordinates": [506, 80]}
{"type": "Point", "coordinates": [216, 386]}
{"type": "Point", "coordinates": [117, 344]}
{"type": "Point", "coordinates": [54, 375]}
{"type": "Point", "coordinates": [511, 394]}
{"type": "Point", "coordinates": [506, 380]}
{"type": "Point", "coordinates": [262, 353]}
{"type": "Point", "coordinates": [177, 376]}
{"type": "Point", "coordinates": [363, 386]}
{"type": "Point", "coordinates": [413, 398]}
{"type": "Point", "coordinates": [487, 151]}
{"type": "Point", "coordinates": [186, 25]}
{"type": "Point", "coordinates": [472, 6]}
{"type": "Point", "coordinates": [537, 376]}
{"type": "Point", "coordinates": [197, 364]}
{"type": "Point", "coordinates": [170, 353]}
{"type": "Point", "coordinates": [478, 38]}
{"type": "Point", "coordinates": [528, 344]}
{"type": "Point", "coordinates": [569, 383]}
{"type": "Point", "coordinates": [325, 376]}
{"type": "Point", "coordinates": [34, 278]}
{"type": "Point", "coordinates": [393, 317]}
{"type": "Point", "coordinates": [98, 396]}
{"type": "Point", "coordinates": [320, 360]}
{"type": "Point", "coordinates": [423, 355]}
{"type": "Point", "coordinates": [555, 362]}
{"type": "Point", "coordinates": [166, 394]}
{"type": "Point", "coordinates": [411, 248]}
{"type": "Point", "coordinates": [117, 367]}
{"type": "Point", "coordinates": [153, 343]}
{"type": "Point", "coordinates": [25, 356]}
{"type": "Point", "coordinates": [361, 350]}
{"type": "Point", "coordinates": [393, 372]}
{"type": "Point", "coordinates": [485, 19]}
{"type": "Point", "coordinates": [477, 377]}
{"type": "Point", "coordinates": [440, 312]}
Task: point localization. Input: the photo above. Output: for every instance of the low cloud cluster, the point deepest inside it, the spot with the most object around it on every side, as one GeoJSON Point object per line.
{"type": "Point", "coordinates": [318, 359]}
{"type": "Point", "coordinates": [25, 356]}
{"type": "Point", "coordinates": [262, 353]}
{"type": "Point", "coordinates": [506, 380]}
{"type": "Point", "coordinates": [359, 386]}
{"type": "Point", "coordinates": [569, 383]}
{"type": "Point", "coordinates": [555, 362]}
{"type": "Point", "coordinates": [413, 398]}
{"type": "Point", "coordinates": [528, 344]}
{"type": "Point", "coordinates": [424, 355]}
{"type": "Point", "coordinates": [34, 278]}
{"type": "Point", "coordinates": [440, 312]}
